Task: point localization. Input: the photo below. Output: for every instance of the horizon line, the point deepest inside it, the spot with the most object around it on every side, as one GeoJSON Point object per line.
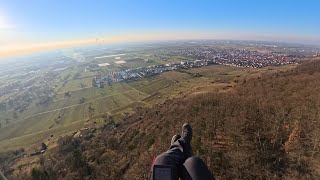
{"type": "Point", "coordinates": [27, 49]}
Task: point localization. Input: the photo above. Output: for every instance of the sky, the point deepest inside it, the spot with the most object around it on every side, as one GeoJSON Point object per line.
{"type": "Point", "coordinates": [36, 25]}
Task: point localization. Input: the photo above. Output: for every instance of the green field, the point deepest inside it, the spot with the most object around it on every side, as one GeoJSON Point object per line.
{"type": "Point", "coordinates": [68, 114]}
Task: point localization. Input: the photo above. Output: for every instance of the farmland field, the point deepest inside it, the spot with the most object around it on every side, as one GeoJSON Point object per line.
{"type": "Point", "coordinates": [62, 99]}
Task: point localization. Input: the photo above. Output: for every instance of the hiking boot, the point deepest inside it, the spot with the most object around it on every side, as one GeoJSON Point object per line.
{"type": "Point", "coordinates": [175, 138]}
{"type": "Point", "coordinates": [186, 136]}
{"type": "Point", "coordinates": [186, 133]}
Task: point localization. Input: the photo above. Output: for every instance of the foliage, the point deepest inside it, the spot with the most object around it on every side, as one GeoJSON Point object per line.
{"type": "Point", "coordinates": [265, 128]}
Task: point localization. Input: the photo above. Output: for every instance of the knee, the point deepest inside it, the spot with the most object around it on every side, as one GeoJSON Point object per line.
{"type": "Point", "coordinates": [195, 168]}
{"type": "Point", "coordinates": [193, 161]}
{"type": "Point", "coordinates": [162, 159]}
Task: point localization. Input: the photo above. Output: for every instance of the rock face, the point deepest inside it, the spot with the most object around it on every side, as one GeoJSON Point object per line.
{"type": "Point", "coordinates": [77, 134]}
{"type": "Point", "coordinates": [85, 133]}
{"type": "Point", "coordinates": [44, 146]}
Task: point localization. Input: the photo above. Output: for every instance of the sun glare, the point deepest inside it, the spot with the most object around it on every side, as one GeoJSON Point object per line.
{"type": "Point", "coordinates": [4, 24]}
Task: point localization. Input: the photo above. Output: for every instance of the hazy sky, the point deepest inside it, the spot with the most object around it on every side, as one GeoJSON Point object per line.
{"type": "Point", "coordinates": [27, 25]}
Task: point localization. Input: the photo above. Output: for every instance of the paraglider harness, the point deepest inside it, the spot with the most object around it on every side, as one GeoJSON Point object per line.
{"type": "Point", "coordinates": [164, 172]}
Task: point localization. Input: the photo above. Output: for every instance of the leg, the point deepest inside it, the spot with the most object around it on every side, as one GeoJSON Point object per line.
{"type": "Point", "coordinates": [178, 152]}
{"type": "Point", "coordinates": [173, 157]}
{"type": "Point", "coordinates": [195, 169]}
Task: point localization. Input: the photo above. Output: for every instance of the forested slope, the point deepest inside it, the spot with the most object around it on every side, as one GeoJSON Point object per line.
{"type": "Point", "coordinates": [268, 127]}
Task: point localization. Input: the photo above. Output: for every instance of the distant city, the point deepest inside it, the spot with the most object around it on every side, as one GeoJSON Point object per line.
{"type": "Point", "coordinates": [203, 57]}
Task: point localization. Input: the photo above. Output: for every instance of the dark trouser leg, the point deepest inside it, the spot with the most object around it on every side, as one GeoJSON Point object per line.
{"type": "Point", "coordinates": [175, 156]}
{"type": "Point", "coordinates": [172, 157]}
{"type": "Point", "coordinates": [195, 169]}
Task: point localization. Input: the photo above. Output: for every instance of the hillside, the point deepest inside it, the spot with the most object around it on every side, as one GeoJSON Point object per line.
{"type": "Point", "coordinates": [265, 128]}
